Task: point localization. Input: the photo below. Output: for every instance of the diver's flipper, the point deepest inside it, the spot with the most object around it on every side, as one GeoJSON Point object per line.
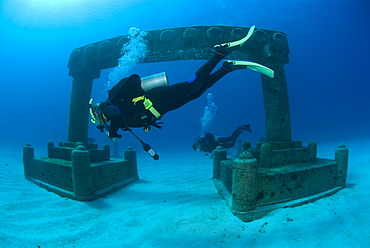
{"type": "Point", "coordinates": [238, 42]}
{"type": "Point", "coordinates": [251, 65]}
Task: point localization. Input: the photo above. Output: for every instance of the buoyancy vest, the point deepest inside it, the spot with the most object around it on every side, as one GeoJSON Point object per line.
{"type": "Point", "coordinates": [135, 108]}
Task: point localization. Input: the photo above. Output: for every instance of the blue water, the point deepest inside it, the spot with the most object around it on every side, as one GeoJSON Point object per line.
{"type": "Point", "coordinates": [327, 75]}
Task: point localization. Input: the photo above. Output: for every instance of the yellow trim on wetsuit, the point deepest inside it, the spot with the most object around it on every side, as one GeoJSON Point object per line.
{"type": "Point", "coordinates": [139, 98]}
{"type": "Point", "coordinates": [93, 118]}
{"type": "Point", "coordinates": [147, 104]}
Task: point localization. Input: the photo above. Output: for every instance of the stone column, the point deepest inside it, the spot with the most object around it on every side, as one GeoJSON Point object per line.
{"type": "Point", "coordinates": [219, 154]}
{"type": "Point", "coordinates": [341, 156]}
{"type": "Point", "coordinates": [28, 155]}
{"type": "Point", "coordinates": [312, 148]}
{"type": "Point", "coordinates": [81, 172]}
{"type": "Point", "coordinates": [51, 153]}
{"type": "Point", "coordinates": [245, 184]}
{"type": "Point", "coordinates": [266, 155]}
{"type": "Point", "coordinates": [106, 149]}
{"type": "Point", "coordinates": [79, 108]}
{"type": "Point", "coordinates": [276, 101]}
{"type": "Point", "coordinates": [246, 145]}
{"type": "Point", "coordinates": [115, 153]}
{"type": "Point", "coordinates": [130, 156]}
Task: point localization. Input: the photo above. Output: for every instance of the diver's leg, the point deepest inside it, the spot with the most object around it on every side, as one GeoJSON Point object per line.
{"type": "Point", "coordinates": [235, 135]}
{"type": "Point", "coordinates": [221, 51]}
{"type": "Point", "coordinates": [206, 69]}
{"type": "Point", "coordinates": [229, 142]}
{"type": "Point", "coordinates": [174, 96]}
{"type": "Point", "coordinates": [225, 142]}
{"type": "Point", "coordinates": [214, 77]}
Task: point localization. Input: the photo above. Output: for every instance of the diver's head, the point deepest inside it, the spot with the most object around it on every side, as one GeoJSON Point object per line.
{"type": "Point", "coordinates": [97, 116]}
{"type": "Point", "coordinates": [196, 146]}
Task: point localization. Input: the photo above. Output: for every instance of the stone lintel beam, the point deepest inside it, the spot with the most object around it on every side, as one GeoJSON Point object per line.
{"type": "Point", "coordinates": [182, 43]}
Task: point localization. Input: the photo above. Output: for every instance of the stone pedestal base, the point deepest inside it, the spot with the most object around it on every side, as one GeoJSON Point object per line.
{"type": "Point", "coordinates": [282, 177]}
{"type": "Point", "coordinates": [73, 171]}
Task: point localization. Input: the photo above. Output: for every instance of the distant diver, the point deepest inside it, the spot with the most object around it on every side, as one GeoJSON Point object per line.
{"type": "Point", "coordinates": [208, 142]}
{"type": "Point", "coordinates": [134, 103]}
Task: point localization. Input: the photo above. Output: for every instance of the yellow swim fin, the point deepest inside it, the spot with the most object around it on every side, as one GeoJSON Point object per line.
{"type": "Point", "coordinates": [251, 65]}
{"type": "Point", "coordinates": [238, 42]}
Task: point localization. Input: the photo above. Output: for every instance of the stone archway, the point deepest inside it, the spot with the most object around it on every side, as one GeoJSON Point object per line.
{"type": "Point", "coordinates": [267, 47]}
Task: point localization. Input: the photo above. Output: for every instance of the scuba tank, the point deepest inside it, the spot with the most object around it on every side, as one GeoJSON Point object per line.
{"type": "Point", "coordinates": [153, 81]}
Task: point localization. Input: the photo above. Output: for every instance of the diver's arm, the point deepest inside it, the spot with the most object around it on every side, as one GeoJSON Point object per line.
{"type": "Point", "coordinates": [115, 119]}
{"type": "Point", "coordinates": [114, 126]}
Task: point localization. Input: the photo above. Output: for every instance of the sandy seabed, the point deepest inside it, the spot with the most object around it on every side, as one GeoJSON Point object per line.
{"type": "Point", "coordinates": [175, 204]}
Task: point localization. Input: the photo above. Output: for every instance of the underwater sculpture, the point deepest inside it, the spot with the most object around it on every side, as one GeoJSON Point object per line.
{"type": "Point", "coordinates": [280, 172]}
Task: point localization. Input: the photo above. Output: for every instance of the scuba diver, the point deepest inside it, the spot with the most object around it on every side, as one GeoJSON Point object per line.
{"type": "Point", "coordinates": [130, 104]}
{"type": "Point", "coordinates": [208, 142]}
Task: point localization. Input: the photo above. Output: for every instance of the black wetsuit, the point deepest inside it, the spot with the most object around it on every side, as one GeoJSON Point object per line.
{"type": "Point", "coordinates": [122, 112]}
